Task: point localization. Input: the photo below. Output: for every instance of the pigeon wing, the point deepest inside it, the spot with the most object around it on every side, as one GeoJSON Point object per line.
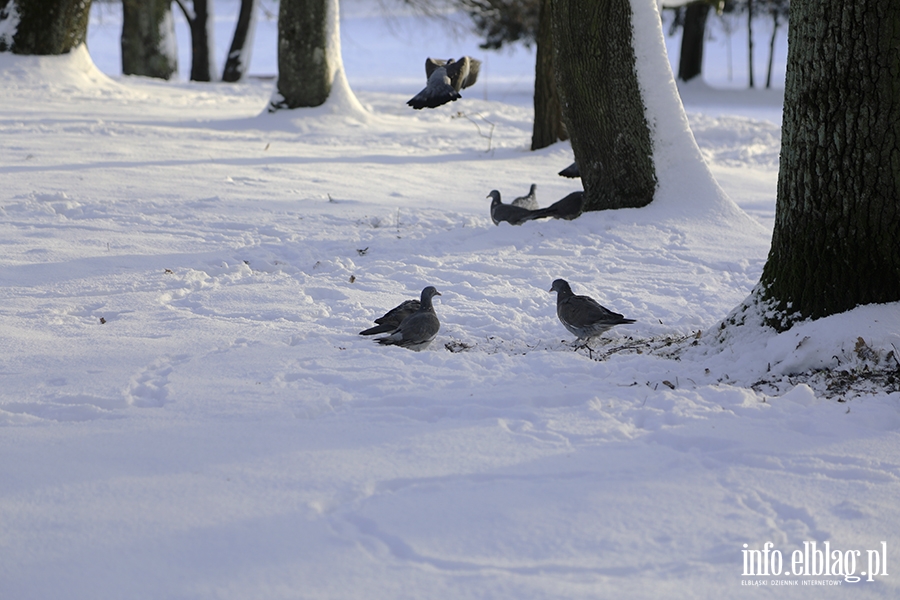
{"type": "Point", "coordinates": [463, 72]}
{"type": "Point", "coordinates": [431, 64]}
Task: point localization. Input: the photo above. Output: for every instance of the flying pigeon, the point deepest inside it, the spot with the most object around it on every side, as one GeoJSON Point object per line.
{"type": "Point", "coordinates": [392, 318]}
{"type": "Point", "coordinates": [529, 201]}
{"type": "Point", "coordinates": [514, 215]}
{"type": "Point", "coordinates": [571, 171]}
{"type": "Point", "coordinates": [445, 79]}
{"type": "Point", "coordinates": [568, 208]}
{"type": "Point", "coordinates": [417, 330]}
{"type": "Point", "coordinates": [582, 315]}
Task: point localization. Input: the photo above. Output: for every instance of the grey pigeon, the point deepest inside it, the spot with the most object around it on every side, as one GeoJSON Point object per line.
{"type": "Point", "coordinates": [418, 329]}
{"type": "Point", "coordinates": [392, 318]}
{"type": "Point", "coordinates": [571, 171]}
{"type": "Point", "coordinates": [445, 79]}
{"type": "Point", "coordinates": [514, 215]}
{"type": "Point", "coordinates": [582, 315]}
{"type": "Point", "coordinates": [529, 201]}
{"type": "Point", "coordinates": [568, 208]}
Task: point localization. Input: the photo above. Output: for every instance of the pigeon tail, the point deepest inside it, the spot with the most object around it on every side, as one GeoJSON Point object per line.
{"type": "Point", "coordinates": [392, 318]}
{"type": "Point", "coordinates": [568, 208]}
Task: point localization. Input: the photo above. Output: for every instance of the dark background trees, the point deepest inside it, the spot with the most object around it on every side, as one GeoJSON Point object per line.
{"type": "Point", "coordinates": [198, 15]}
{"type": "Point", "coordinates": [238, 60]}
{"type": "Point", "coordinates": [148, 38]}
{"type": "Point", "coordinates": [836, 241]}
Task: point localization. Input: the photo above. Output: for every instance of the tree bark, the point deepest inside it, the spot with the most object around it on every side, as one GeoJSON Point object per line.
{"type": "Point", "coordinates": [548, 119]}
{"type": "Point", "coordinates": [602, 103]}
{"type": "Point", "coordinates": [836, 241]}
{"type": "Point", "coordinates": [148, 39]}
{"type": "Point", "coordinates": [304, 75]}
{"type": "Point", "coordinates": [690, 62]}
{"type": "Point", "coordinates": [45, 27]}
{"type": "Point", "coordinates": [238, 60]}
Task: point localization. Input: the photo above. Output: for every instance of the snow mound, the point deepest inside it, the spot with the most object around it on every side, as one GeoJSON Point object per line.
{"type": "Point", "coordinates": [62, 74]}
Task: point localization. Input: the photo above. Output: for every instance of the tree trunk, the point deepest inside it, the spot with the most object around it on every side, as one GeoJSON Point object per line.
{"type": "Point", "coordinates": [43, 26]}
{"type": "Point", "coordinates": [548, 120]}
{"type": "Point", "coordinates": [602, 103]}
{"type": "Point", "coordinates": [148, 39]}
{"type": "Point", "coordinates": [690, 63]}
{"type": "Point", "coordinates": [750, 39]}
{"type": "Point", "coordinates": [836, 242]}
{"type": "Point", "coordinates": [304, 75]}
{"type": "Point", "coordinates": [238, 60]}
{"type": "Point", "coordinates": [772, 49]}
{"type": "Point", "coordinates": [202, 65]}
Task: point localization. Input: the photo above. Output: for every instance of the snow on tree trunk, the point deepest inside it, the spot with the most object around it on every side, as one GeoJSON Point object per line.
{"type": "Point", "coordinates": [238, 60]}
{"type": "Point", "coordinates": [148, 39]}
{"type": "Point", "coordinates": [43, 26]}
{"type": "Point", "coordinates": [836, 242]}
{"type": "Point", "coordinates": [310, 68]}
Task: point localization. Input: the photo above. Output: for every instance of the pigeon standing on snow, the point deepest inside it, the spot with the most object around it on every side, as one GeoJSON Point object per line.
{"type": "Point", "coordinates": [417, 330]}
{"type": "Point", "coordinates": [391, 319]}
{"type": "Point", "coordinates": [581, 315]}
{"type": "Point", "coordinates": [445, 79]}
{"type": "Point", "coordinates": [529, 201]}
{"type": "Point", "coordinates": [514, 215]}
{"type": "Point", "coordinates": [568, 208]}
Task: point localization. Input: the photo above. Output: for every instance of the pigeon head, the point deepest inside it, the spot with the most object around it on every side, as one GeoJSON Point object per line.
{"type": "Point", "coordinates": [427, 294]}
{"type": "Point", "coordinates": [561, 286]}
{"type": "Point", "coordinates": [495, 197]}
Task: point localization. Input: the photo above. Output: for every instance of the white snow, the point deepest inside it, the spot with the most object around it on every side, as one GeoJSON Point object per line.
{"type": "Point", "coordinates": [187, 410]}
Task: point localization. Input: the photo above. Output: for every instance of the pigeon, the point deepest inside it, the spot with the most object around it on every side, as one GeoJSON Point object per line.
{"type": "Point", "coordinates": [582, 315]}
{"type": "Point", "coordinates": [514, 215]}
{"type": "Point", "coordinates": [529, 201]}
{"type": "Point", "coordinates": [571, 171]}
{"type": "Point", "coordinates": [417, 330]}
{"type": "Point", "coordinates": [392, 318]}
{"type": "Point", "coordinates": [568, 208]}
{"type": "Point", "coordinates": [445, 79]}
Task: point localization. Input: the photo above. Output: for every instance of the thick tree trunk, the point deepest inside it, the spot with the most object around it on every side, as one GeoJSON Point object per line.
{"type": "Point", "coordinates": [304, 75]}
{"type": "Point", "coordinates": [690, 63]}
{"type": "Point", "coordinates": [43, 26]}
{"type": "Point", "coordinates": [242, 43]}
{"type": "Point", "coordinates": [148, 39]}
{"type": "Point", "coordinates": [836, 242]}
{"type": "Point", "coordinates": [548, 120]}
{"type": "Point", "coordinates": [602, 103]}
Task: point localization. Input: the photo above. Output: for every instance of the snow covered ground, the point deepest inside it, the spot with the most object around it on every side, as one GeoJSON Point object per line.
{"type": "Point", "coordinates": [187, 410]}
